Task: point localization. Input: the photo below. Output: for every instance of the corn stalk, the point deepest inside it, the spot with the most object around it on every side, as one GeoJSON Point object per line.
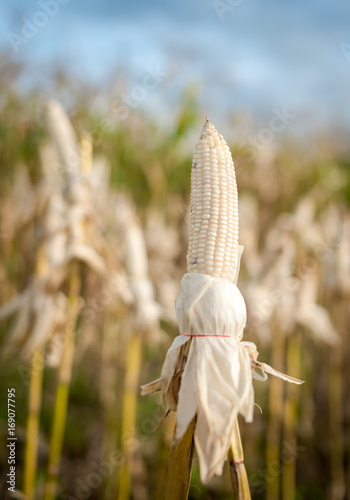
{"type": "Point", "coordinates": [33, 423]}
{"type": "Point", "coordinates": [180, 466]}
{"type": "Point", "coordinates": [291, 416]}
{"type": "Point", "coordinates": [274, 425]}
{"type": "Point", "coordinates": [238, 473]}
{"type": "Point", "coordinates": [133, 366]}
{"type": "Point", "coordinates": [64, 380]}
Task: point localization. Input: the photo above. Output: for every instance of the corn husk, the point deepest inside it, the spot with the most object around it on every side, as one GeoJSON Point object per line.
{"type": "Point", "coordinates": [216, 381]}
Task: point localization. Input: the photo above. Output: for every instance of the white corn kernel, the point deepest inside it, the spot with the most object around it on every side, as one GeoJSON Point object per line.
{"type": "Point", "coordinates": [213, 239]}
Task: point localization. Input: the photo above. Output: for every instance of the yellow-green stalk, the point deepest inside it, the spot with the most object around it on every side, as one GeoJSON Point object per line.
{"type": "Point", "coordinates": [34, 403]}
{"type": "Point", "coordinates": [275, 418]}
{"type": "Point", "coordinates": [64, 379]}
{"type": "Point", "coordinates": [33, 423]}
{"type": "Point", "coordinates": [131, 383]}
{"type": "Point", "coordinates": [336, 407]}
{"type": "Point", "coordinates": [238, 473]}
{"type": "Point", "coordinates": [109, 395]}
{"type": "Point", "coordinates": [291, 417]}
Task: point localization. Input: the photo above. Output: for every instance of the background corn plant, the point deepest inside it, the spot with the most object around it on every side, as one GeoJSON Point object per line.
{"type": "Point", "coordinates": [295, 276]}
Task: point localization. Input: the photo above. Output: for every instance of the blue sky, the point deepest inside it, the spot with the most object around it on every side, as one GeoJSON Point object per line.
{"type": "Point", "coordinates": [258, 56]}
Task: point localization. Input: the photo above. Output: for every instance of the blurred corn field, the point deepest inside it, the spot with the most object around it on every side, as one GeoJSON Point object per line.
{"type": "Point", "coordinates": [93, 228]}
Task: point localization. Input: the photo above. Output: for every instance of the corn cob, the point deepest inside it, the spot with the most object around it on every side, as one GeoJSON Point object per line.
{"type": "Point", "coordinates": [213, 239]}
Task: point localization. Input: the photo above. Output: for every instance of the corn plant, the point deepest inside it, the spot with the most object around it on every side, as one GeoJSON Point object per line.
{"type": "Point", "coordinates": [207, 373]}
